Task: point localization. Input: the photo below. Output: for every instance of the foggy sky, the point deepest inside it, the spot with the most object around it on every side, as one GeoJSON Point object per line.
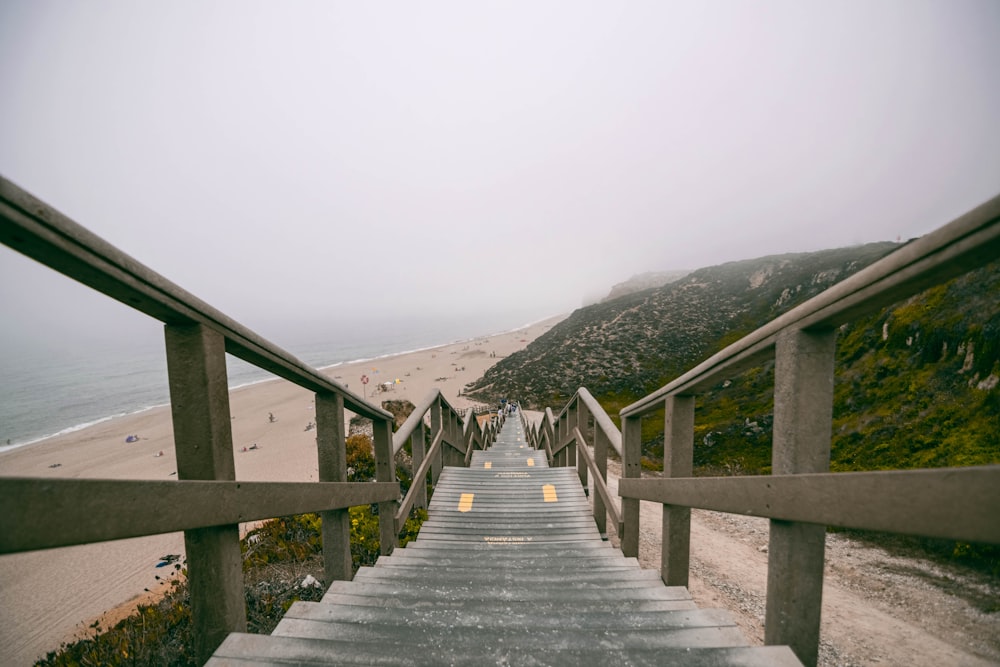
{"type": "Point", "coordinates": [314, 161]}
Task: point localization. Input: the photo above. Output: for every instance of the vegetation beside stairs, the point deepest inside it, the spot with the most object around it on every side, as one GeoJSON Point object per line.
{"type": "Point", "coordinates": [282, 563]}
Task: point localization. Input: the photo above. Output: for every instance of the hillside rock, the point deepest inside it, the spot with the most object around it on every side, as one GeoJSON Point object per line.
{"type": "Point", "coordinates": [643, 281]}
{"type": "Point", "coordinates": [629, 346]}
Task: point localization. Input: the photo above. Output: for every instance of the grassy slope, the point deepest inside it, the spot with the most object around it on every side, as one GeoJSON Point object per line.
{"type": "Point", "coordinates": [911, 389]}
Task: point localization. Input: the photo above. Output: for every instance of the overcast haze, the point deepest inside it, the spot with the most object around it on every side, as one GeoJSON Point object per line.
{"type": "Point", "coordinates": [315, 161]}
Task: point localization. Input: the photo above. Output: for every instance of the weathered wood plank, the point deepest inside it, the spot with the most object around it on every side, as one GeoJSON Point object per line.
{"type": "Point", "coordinates": [246, 650]}
{"type": "Point", "coordinates": [419, 638]}
{"type": "Point", "coordinates": [563, 607]}
{"type": "Point", "coordinates": [331, 452]}
{"type": "Point", "coordinates": [631, 471]}
{"type": "Point", "coordinates": [385, 471]}
{"type": "Point", "coordinates": [678, 461]}
{"type": "Point", "coordinates": [420, 477]}
{"type": "Point", "coordinates": [951, 503]}
{"type": "Point", "coordinates": [79, 511]}
{"type": "Point", "coordinates": [601, 617]}
{"type": "Point", "coordinates": [203, 442]}
{"type": "Point", "coordinates": [803, 418]}
{"type": "Point", "coordinates": [603, 503]}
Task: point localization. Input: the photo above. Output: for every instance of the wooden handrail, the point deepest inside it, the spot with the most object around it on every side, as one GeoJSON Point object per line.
{"type": "Point", "coordinates": [952, 503]}
{"type": "Point", "coordinates": [415, 419]}
{"type": "Point", "coordinates": [37, 230]}
{"type": "Point", "coordinates": [599, 483]}
{"type": "Point", "coordinates": [81, 511]}
{"type": "Point", "coordinates": [570, 448]}
{"type": "Point", "coordinates": [949, 503]}
{"type": "Point", "coordinates": [419, 475]}
{"type": "Point", "coordinates": [601, 417]}
{"type": "Point", "coordinates": [802, 497]}
{"type": "Point", "coordinates": [197, 337]}
{"type": "Point", "coordinates": [548, 423]}
{"type": "Point", "coordinates": [470, 431]}
{"type": "Point", "coordinates": [970, 241]}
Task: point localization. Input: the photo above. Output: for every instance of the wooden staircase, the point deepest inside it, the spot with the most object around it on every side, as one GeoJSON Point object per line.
{"type": "Point", "coordinates": [509, 569]}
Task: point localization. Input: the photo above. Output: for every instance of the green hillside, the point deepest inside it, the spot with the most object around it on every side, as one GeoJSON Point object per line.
{"type": "Point", "coordinates": [626, 347]}
{"type": "Point", "coordinates": [915, 387]}
{"type": "Point", "coordinates": [916, 384]}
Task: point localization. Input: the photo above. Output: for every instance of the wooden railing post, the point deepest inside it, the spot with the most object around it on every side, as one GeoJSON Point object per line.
{"type": "Point", "coordinates": [631, 467]}
{"type": "Point", "coordinates": [678, 461]}
{"type": "Point", "coordinates": [385, 471]}
{"type": "Point", "coordinates": [436, 426]}
{"type": "Point", "coordinates": [557, 438]}
{"type": "Point", "coordinates": [550, 435]}
{"type": "Point", "coordinates": [803, 412]}
{"type": "Point", "coordinates": [601, 459]}
{"type": "Point", "coordinates": [567, 432]}
{"type": "Point", "coordinates": [331, 448]}
{"type": "Point", "coordinates": [203, 441]}
{"type": "Point", "coordinates": [418, 448]}
{"type": "Point", "coordinates": [568, 452]}
{"type": "Point", "coordinates": [453, 437]}
{"type": "Point", "coordinates": [459, 435]}
{"type": "Point", "coordinates": [468, 438]}
{"type": "Point", "coordinates": [581, 462]}
{"type": "Point", "coordinates": [477, 429]}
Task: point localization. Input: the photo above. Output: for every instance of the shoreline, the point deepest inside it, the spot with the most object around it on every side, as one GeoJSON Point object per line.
{"type": "Point", "coordinates": [61, 591]}
{"type": "Point", "coordinates": [323, 369]}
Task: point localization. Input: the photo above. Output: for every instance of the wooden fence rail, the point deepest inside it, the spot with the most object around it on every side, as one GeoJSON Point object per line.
{"type": "Point", "coordinates": [206, 501]}
{"type": "Point", "coordinates": [801, 497]}
{"type": "Point", "coordinates": [447, 445]}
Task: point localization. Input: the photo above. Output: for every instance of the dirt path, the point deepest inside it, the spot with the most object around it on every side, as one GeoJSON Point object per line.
{"type": "Point", "coordinates": [878, 609]}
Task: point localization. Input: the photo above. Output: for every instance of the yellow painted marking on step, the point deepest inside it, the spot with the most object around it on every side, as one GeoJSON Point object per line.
{"type": "Point", "coordinates": [488, 465]}
{"type": "Point", "coordinates": [531, 463]}
{"type": "Point", "coordinates": [507, 539]}
{"type": "Point", "coordinates": [465, 504]}
{"type": "Point", "coordinates": [549, 493]}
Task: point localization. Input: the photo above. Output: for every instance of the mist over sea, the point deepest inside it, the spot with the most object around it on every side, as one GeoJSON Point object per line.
{"type": "Point", "coordinates": [52, 390]}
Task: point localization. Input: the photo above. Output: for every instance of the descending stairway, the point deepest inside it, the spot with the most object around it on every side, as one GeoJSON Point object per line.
{"type": "Point", "coordinates": [509, 569]}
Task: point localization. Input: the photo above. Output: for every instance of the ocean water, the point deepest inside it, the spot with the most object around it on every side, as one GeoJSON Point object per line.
{"type": "Point", "coordinates": [53, 391]}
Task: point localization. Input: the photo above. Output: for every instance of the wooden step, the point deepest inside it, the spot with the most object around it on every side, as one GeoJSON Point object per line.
{"type": "Point", "coordinates": [432, 592]}
{"type": "Point", "coordinates": [509, 568]}
{"type": "Point", "coordinates": [246, 649]}
{"type": "Point", "coordinates": [565, 607]}
{"type": "Point", "coordinates": [514, 618]}
{"type": "Point", "coordinates": [566, 636]}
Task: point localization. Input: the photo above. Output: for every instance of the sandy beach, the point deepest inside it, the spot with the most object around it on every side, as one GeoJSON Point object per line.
{"type": "Point", "coordinates": [51, 596]}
